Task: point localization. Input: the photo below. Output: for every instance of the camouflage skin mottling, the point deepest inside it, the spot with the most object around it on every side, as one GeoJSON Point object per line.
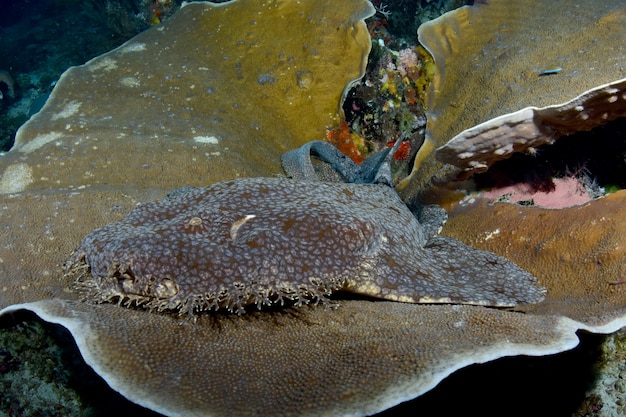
{"type": "Point", "coordinates": [262, 241]}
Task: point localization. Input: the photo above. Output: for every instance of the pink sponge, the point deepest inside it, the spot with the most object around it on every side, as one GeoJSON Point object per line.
{"type": "Point", "coordinates": [567, 192]}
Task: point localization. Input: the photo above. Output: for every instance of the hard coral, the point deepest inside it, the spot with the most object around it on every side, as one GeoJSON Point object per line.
{"type": "Point", "coordinates": [578, 252]}
{"type": "Point", "coordinates": [488, 99]}
{"type": "Point", "coordinates": [215, 100]}
{"type": "Point", "coordinates": [375, 353]}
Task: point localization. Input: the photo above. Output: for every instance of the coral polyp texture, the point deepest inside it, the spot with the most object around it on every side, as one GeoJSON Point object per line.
{"type": "Point", "coordinates": [217, 78]}
{"type": "Point", "coordinates": [491, 97]}
{"type": "Point", "coordinates": [264, 241]}
{"type": "Point", "coordinates": [578, 252]}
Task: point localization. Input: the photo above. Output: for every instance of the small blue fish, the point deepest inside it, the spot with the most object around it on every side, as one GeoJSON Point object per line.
{"type": "Point", "coordinates": [550, 71]}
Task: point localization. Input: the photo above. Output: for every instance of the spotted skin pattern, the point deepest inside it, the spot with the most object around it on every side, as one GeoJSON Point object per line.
{"type": "Point", "coordinates": [263, 241]}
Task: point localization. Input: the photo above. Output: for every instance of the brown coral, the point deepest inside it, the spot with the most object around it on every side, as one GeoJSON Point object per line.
{"type": "Point", "coordinates": [488, 99]}
{"type": "Point", "coordinates": [233, 85]}
{"type": "Point", "coordinates": [578, 253]}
